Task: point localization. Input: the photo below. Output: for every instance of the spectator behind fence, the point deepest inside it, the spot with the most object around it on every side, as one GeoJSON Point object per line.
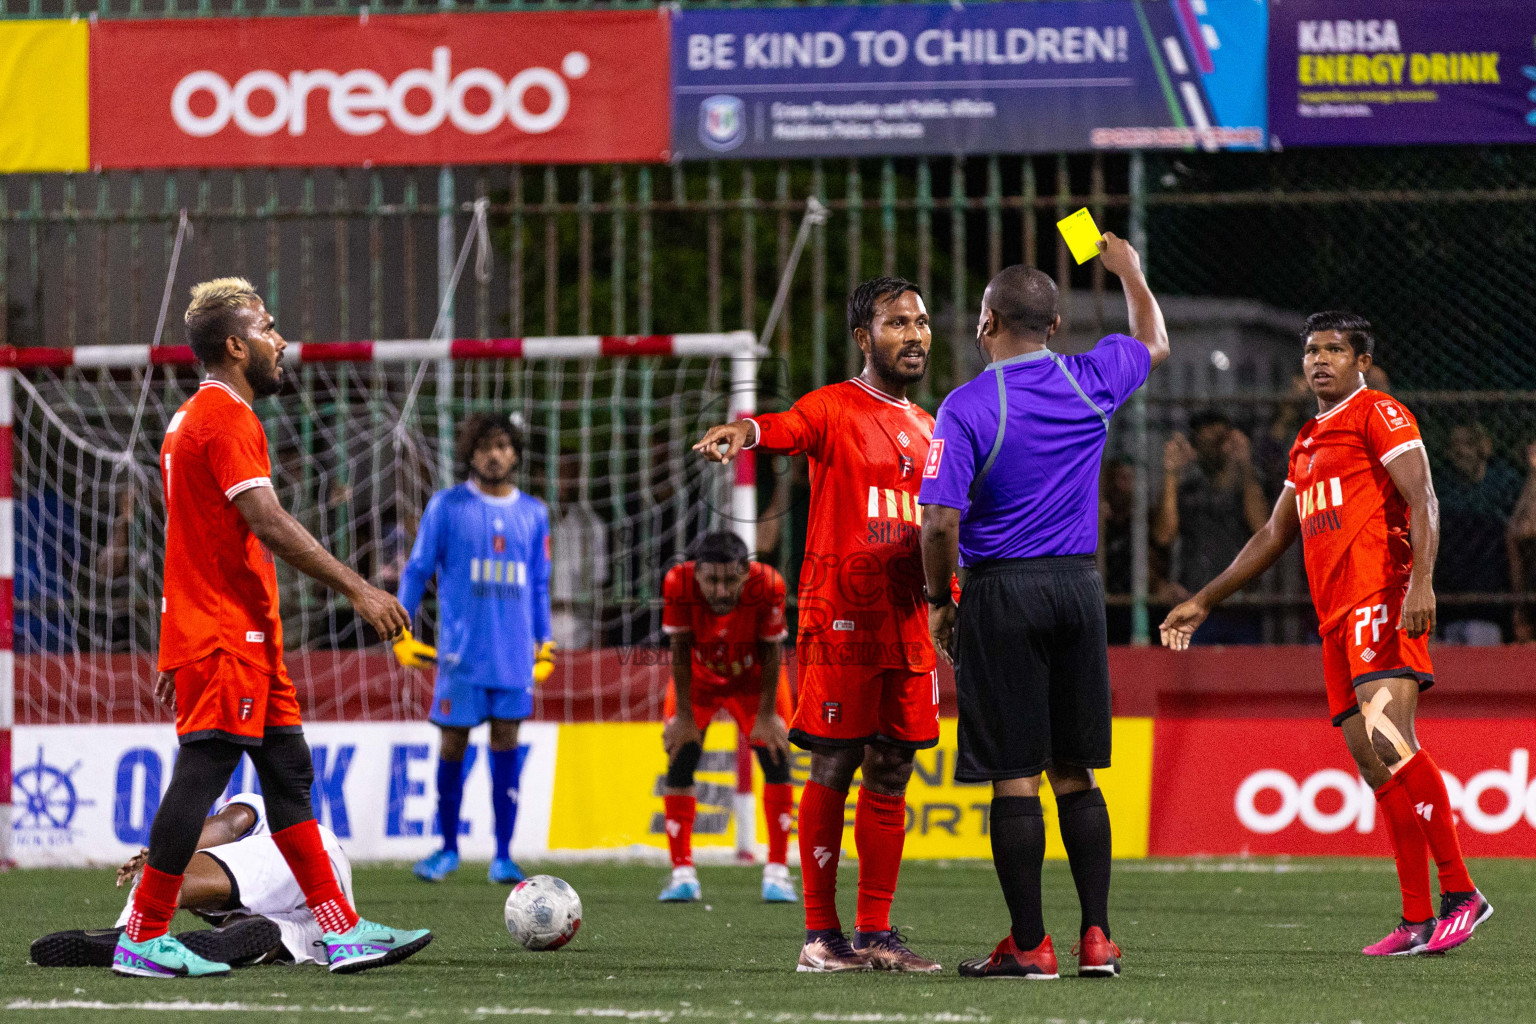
{"type": "Point", "coordinates": [1477, 494]}
{"type": "Point", "coordinates": [1117, 490]}
{"type": "Point", "coordinates": [1211, 504]}
{"type": "Point", "coordinates": [1521, 543]}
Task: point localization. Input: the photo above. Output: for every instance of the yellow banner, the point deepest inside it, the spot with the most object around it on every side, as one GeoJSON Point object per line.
{"type": "Point", "coordinates": [43, 122]}
{"type": "Point", "coordinates": [608, 779]}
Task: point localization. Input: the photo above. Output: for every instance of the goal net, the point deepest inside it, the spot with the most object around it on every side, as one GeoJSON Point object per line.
{"type": "Point", "coordinates": [359, 440]}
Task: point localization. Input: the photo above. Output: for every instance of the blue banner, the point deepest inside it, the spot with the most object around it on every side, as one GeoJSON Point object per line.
{"type": "Point", "coordinates": [1403, 72]}
{"type": "Point", "coordinates": [984, 78]}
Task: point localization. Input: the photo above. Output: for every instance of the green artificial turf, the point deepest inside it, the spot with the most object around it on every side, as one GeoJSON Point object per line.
{"type": "Point", "coordinates": [1233, 942]}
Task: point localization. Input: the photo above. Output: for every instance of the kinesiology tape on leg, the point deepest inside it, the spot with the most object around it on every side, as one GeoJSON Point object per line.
{"type": "Point", "coordinates": [201, 773]}
{"type": "Point", "coordinates": [775, 766]}
{"type": "Point", "coordinates": [286, 771]}
{"type": "Point", "coordinates": [680, 771]}
{"type": "Point", "coordinates": [1374, 711]}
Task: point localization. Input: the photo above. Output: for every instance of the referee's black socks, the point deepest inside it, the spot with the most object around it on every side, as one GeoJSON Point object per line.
{"type": "Point", "coordinates": [1018, 851]}
{"type": "Point", "coordinates": [1085, 833]}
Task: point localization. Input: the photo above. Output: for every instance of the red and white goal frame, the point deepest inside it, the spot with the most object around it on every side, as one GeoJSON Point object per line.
{"type": "Point", "coordinates": [740, 347]}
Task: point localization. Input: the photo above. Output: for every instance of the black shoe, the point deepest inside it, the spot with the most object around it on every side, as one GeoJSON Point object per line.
{"type": "Point", "coordinates": [242, 942]}
{"type": "Point", "coordinates": [1009, 961]}
{"type": "Point", "coordinates": [89, 948]}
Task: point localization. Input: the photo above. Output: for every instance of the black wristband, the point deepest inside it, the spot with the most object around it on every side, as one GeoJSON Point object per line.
{"type": "Point", "coordinates": [943, 601]}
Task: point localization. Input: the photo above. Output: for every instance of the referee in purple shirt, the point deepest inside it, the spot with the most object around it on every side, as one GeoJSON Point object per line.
{"type": "Point", "coordinates": [1010, 491]}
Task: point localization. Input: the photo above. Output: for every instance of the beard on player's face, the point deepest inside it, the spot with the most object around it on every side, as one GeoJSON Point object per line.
{"type": "Point", "coordinates": [263, 374]}
{"type": "Point", "coordinates": [891, 362]}
{"type": "Point", "coordinates": [488, 468]}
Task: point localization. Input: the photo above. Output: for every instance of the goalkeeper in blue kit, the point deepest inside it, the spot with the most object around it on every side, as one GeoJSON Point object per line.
{"type": "Point", "coordinates": [488, 545]}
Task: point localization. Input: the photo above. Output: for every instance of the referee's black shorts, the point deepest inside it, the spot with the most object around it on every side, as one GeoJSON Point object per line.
{"type": "Point", "coordinates": [1031, 668]}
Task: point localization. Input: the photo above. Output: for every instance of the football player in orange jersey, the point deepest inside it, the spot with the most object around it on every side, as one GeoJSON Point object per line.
{"type": "Point", "coordinates": [869, 692]}
{"type": "Point", "coordinates": [1358, 493]}
{"type": "Point", "coordinates": [725, 617]}
{"type": "Point", "coordinates": [221, 644]}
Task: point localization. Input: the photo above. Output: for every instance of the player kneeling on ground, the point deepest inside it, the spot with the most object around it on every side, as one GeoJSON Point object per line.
{"type": "Point", "coordinates": [488, 545]}
{"type": "Point", "coordinates": [237, 881]}
{"type": "Point", "coordinates": [221, 644]}
{"type": "Point", "coordinates": [1359, 494]}
{"type": "Point", "coordinates": [725, 616]}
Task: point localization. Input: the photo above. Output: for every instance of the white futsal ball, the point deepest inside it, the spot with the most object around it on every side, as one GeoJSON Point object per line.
{"type": "Point", "coordinates": [543, 912]}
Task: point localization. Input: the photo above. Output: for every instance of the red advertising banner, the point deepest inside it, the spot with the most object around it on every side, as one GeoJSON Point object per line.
{"type": "Point", "coordinates": [1287, 786]}
{"type": "Point", "coordinates": [536, 87]}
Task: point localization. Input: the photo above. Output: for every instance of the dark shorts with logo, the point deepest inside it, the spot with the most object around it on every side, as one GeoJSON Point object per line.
{"type": "Point", "coordinates": [1031, 668]}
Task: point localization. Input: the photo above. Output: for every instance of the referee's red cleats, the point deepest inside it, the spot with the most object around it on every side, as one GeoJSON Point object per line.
{"type": "Point", "coordinates": [1097, 957]}
{"type": "Point", "coordinates": [1008, 961]}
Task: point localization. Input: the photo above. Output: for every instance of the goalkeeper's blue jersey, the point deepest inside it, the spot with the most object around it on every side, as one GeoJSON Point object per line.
{"type": "Point", "coordinates": [491, 559]}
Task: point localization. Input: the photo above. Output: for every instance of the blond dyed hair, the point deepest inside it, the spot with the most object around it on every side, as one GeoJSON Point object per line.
{"type": "Point", "coordinates": [214, 315]}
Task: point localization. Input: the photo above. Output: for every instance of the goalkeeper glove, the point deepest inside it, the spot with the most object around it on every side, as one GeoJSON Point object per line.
{"type": "Point", "coordinates": [412, 653]}
{"type": "Point", "coordinates": [544, 662]}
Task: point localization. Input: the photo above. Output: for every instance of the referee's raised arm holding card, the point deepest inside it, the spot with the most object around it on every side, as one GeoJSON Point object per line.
{"type": "Point", "coordinates": [1010, 491]}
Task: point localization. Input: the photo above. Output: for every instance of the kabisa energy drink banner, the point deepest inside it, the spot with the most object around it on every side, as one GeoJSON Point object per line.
{"type": "Point", "coordinates": [1402, 72]}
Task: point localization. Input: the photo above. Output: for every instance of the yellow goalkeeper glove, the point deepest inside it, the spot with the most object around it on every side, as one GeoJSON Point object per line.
{"type": "Point", "coordinates": [412, 653]}
{"type": "Point", "coordinates": [544, 662]}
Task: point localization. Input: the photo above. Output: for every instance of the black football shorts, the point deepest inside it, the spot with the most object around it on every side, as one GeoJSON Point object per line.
{"type": "Point", "coordinates": [1031, 668]}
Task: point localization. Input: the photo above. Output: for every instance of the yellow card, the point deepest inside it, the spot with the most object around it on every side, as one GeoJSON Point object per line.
{"type": "Point", "coordinates": [1082, 235]}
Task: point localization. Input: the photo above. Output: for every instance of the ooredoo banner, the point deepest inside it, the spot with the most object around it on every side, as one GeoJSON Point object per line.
{"type": "Point", "coordinates": [1402, 72]}
{"type": "Point", "coordinates": [587, 86]}
{"type": "Point", "coordinates": [864, 79]}
{"type": "Point", "coordinates": [1287, 786]}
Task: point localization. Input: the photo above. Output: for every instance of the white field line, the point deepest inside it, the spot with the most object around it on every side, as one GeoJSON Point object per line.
{"type": "Point", "coordinates": [179, 1006]}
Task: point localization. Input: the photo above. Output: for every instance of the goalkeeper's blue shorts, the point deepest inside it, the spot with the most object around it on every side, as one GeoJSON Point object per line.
{"type": "Point", "coordinates": [463, 705]}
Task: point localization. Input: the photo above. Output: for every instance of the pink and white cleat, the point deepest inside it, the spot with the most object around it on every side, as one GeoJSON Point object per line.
{"type": "Point", "coordinates": [1460, 913]}
{"type": "Point", "coordinates": [1404, 940]}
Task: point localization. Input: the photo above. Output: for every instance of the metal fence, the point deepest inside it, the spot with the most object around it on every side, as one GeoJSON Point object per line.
{"type": "Point", "coordinates": [1436, 245]}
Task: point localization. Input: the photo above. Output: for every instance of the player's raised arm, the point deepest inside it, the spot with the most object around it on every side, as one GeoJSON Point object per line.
{"type": "Point", "coordinates": [796, 431]}
{"type": "Point", "coordinates": [1410, 474]}
{"type": "Point", "coordinates": [286, 538]}
{"type": "Point", "coordinates": [1146, 317]}
{"type": "Point", "coordinates": [1262, 551]}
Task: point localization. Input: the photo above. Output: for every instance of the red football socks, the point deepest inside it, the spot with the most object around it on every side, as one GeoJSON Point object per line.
{"type": "Point", "coordinates": [879, 832]}
{"type": "Point", "coordinates": [154, 904]}
{"type": "Point", "coordinates": [1431, 806]}
{"type": "Point", "coordinates": [304, 851]}
{"type": "Point", "coordinates": [821, 840]}
{"type": "Point", "coordinates": [779, 813]}
{"type": "Point", "coordinates": [680, 812]}
{"type": "Point", "coordinates": [1408, 848]}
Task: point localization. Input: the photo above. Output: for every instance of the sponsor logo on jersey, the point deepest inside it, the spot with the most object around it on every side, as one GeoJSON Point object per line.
{"type": "Point", "coordinates": [1392, 414]}
{"type": "Point", "coordinates": [935, 456]}
{"type": "Point", "coordinates": [843, 625]}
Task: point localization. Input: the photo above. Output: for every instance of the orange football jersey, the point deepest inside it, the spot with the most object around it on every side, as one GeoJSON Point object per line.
{"type": "Point", "coordinates": [861, 585]}
{"type": "Point", "coordinates": [725, 646]}
{"type": "Point", "coordinates": [220, 582]}
{"type": "Point", "coordinates": [1354, 523]}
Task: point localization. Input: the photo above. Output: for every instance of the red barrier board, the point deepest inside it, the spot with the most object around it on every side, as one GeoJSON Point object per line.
{"type": "Point", "coordinates": [1288, 786]}
{"type": "Point", "coordinates": [525, 87]}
